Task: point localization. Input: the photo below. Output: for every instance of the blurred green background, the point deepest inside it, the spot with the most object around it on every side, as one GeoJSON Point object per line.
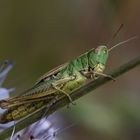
{"type": "Point", "coordinates": [40, 35]}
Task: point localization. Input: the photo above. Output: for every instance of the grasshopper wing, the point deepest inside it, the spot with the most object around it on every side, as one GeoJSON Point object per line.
{"type": "Point", "coordinates": [30, 95]}
{"type": "Point", "coordinates": [20, 100]}
{"type": "Point", "coordinates": [51, 72]}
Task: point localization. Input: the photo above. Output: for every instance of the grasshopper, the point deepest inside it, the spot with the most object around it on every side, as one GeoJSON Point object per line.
{"type": "Point", "coordinates": [60, 81]}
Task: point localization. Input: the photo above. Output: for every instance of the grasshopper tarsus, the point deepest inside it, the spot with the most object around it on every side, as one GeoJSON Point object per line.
{"type": "Point", "coordinates": [68, 106]}
{"type": "Point", "coordinates": [112, 78]}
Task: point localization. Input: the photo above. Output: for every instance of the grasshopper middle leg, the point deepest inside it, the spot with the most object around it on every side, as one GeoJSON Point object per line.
{"type": "Point", "coordinates": [104, 75]}
{"type": "Point", "coordinates": [57, 85]}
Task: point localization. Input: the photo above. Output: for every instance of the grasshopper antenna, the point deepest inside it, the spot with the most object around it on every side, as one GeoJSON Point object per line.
{"type": "Point", "coordinates": [123, 42]}
{"type": "Point", "coordinates": [115, 34]}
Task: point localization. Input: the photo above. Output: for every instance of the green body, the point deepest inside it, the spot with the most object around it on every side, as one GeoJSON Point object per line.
{"type": "Point", "coordinates": [82, 68]}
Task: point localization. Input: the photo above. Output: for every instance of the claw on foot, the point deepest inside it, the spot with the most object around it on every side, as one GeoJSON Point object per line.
{"type": "Point", "coordinates": [112, 78]}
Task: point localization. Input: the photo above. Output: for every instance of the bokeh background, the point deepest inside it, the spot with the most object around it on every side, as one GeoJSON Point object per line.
{"type": "Point", "coordinates": [40, 35]}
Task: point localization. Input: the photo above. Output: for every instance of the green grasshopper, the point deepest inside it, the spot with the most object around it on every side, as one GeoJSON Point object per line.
{"type": "Point", "coordinates": [60, 81]}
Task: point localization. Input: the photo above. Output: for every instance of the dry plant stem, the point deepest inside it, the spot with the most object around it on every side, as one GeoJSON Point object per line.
{"type": "Point", "coordinates": [63, 101]}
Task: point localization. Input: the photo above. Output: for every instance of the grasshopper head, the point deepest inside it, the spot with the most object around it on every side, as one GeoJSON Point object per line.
{"type": "Point", "coordinates": [101, 54]}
